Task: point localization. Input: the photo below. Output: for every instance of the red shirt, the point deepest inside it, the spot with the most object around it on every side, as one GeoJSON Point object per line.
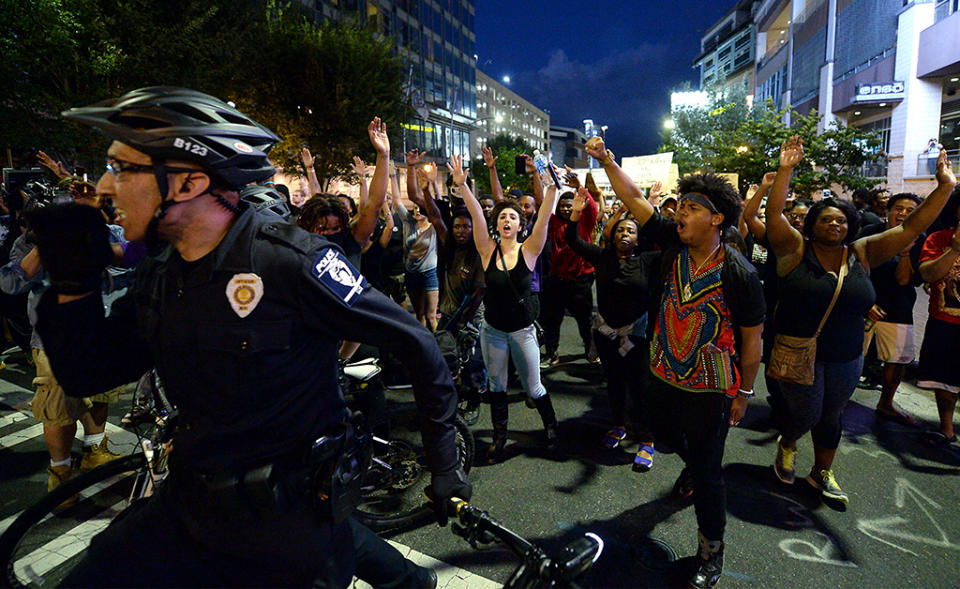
{"type": "Point", "coordinates": [564, 262]}
{"type": "Point", "coordinates": [944, 293]}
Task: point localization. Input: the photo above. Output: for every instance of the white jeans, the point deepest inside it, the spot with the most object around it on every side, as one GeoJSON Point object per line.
{"type": "Point", "coordinates": [521, 345]}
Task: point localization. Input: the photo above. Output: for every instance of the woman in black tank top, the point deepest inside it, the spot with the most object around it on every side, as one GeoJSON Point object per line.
{"type": "Point", "coordinates": [809, 264]}
{"type": "Point", "coordinates": [508, 330]}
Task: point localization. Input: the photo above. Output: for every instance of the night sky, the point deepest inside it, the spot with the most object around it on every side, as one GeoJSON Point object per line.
{"type": "Point", "coordinates": [611, 61]}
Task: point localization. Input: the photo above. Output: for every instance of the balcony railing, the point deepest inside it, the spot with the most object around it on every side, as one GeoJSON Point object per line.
{"type": "Point", "coordinates": [927, 166]}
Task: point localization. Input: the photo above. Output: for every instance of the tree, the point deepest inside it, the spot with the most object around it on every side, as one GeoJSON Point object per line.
{"type": "Point", "coordinates": [505, 149]}
{"type": "Point", "coordinates": [727, 137]}
{"type": "Point", "coordinates": [316, 85]}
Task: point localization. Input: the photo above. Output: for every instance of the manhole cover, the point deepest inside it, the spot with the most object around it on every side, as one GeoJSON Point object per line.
{"type": "Point", "coordinates": [654, 555]}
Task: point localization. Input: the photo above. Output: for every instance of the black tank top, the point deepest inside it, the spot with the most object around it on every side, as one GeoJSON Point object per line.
{"type": "Point", "coordinates": [804, 295]}
{"type": "Point", "coordinates": [502, 309]}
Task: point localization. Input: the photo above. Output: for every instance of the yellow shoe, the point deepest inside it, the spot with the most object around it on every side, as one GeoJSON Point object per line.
{"type": "Point", "coordinates": [94, 456]}
{"type": "Point", "coordinates": [57, 475]}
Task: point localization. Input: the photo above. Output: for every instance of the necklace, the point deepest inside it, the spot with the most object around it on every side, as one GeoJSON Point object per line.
{"type": "Point", "coordinates": [687, 291]}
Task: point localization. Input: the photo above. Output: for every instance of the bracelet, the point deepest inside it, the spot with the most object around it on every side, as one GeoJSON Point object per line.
{"type": "Point", "coordinates": [608, 159]}
{"type": "Point", "coordinates": [745, 394]}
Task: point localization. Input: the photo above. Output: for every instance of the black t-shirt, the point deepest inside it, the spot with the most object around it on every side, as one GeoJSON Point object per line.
{"type": "Point", "coordinates": [805, 294]}
{"type": "Point", "coordinates": [371, 261]}
{"type": "Point", "coordinates": [503, 309]}
{"type": "Point", "coordinates": [391, 264]}
{"type": "Point", "coordinates": [622, 283]}
{"type": "Point", "coordinates": [462, 276]}
{"type": "Point", "coordinates": [896, 300]}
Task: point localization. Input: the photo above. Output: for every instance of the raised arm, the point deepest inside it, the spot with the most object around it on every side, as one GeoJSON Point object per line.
{"type": "Point", "coordinates": [752, 209]}
{"type": "Point", "coordinates": [785, 241]}
{"type": "Point", "coordinates": [614, 218]}
{"type": "Point", "coordinates": [490, 161]}
{"type": "Point", "coordinates": [370, 207]}
{"type": "Point", "coordinates": [622, 185]}
{"type": "Point", "coordinates": [536, 182]}
{"type": "Point", "coordinates": [360, 170]}
{"type": "Point", "coordinates": [388, 228]}
{"type": "Point", "coordinates": [883, 246]}
{"type": "Point", "coordinates": [308, 162]}
{"type": "Point", "coordinates": [589, 251]}
{"type": "Point", "coordinates": [436, 219]}
{"type": "Point", "coordinates": [413, 157]}
{"type": "Point", "coordinates": [481, 235]}
{"type": "Point", "coordinates": [533, 246]}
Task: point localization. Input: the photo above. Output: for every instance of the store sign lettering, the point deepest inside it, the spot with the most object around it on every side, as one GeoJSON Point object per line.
{"type": "Point", "coordinates": [887, 91]}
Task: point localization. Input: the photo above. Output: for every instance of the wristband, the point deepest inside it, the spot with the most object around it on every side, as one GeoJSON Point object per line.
{"type": "Point", "coordinates": [745, 394]}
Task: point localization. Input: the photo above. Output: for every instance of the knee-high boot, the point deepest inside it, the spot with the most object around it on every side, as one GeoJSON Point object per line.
{"type": "Point", "coordinates": [549, 417]}
{"type": "Point", "coordinates": [499, 414]}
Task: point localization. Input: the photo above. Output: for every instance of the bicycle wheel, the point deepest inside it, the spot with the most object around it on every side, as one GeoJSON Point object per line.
{"type": "Point", "coordinates": [43, 544]}
{"type": "Point", "coordinates": [393, 498]}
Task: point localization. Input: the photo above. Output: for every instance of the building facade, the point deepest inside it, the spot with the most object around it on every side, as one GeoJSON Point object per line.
{"type": "Point", "coordinates": [567, 147]}
{"type": "Point", "coordinates": [726, 59]}
{"type": "Point", "coordinates": [501, 111]}
{"type": "Point", "coordinates": [892, 66]}
{"type": "Point", "coordinates": [437, 42]}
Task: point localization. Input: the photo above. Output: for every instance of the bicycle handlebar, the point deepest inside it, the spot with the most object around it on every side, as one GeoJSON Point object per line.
{"type": "Point", "coordinates": [574, 560]}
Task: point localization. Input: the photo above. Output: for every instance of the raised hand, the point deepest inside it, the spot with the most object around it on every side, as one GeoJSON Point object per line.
{"type": "Point", "coordinates": [378, 136]}
{"type": "Point", "coordinates": [48, 162]}
{"type": "Point", "coordinates": [359, 168]}
{"type": "Point", "coordinates": [455, 165]}
{"type": "Point", "coordinates": [489, 159]}
{"type": "Point", "coordinates": [414, 157]}
{"type": "Point", "coordinates": [791, 152]}
{"type": "Point", "coordinates": [656, 189]}
{"type": "Point", "coordinates": [306, 157]}
{"type": "Point", "coordinates": [945, 173]}
{"type": "Point", "coordinates": [570, 178]}
{"type": "Point", "coordinates": [580, 200]}
{"type": "Point", "coordinates": [768, 179]}
{"type": "Point", "coordinates": [430, 170]}
{"type": "Point", "coordinates": [596, 148]}
{"type": "Point", "coordinates": [752, 190]}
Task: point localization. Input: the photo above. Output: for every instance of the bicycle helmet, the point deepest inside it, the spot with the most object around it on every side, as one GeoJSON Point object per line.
{"type": "Point", "coordinates": [267, 199]}
{"type": "Point", "coordinates": [170, 123]}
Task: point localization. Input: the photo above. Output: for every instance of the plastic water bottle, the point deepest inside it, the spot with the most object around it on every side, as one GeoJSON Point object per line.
{"type": "Point", "coordinates": [540, 163]}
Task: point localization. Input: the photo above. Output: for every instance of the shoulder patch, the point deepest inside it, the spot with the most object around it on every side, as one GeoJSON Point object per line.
{"type": "Point", "coordinates": [336, 274]}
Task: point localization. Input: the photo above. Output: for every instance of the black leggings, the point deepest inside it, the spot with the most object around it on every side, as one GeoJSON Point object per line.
{"type": "Point", "coordinates": [627, 377]}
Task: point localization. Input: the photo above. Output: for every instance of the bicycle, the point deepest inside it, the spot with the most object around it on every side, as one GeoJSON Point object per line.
{"type": "Point", "coordinates": [537, 568]}
{"type": "Point", "coordinates": [44, 542]}
{"type": "Point", "coordinates": [391, 500]}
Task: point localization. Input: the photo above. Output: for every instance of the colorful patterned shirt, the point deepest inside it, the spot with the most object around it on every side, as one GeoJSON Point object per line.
{"type": "Point", "coordinates": [693, 341]}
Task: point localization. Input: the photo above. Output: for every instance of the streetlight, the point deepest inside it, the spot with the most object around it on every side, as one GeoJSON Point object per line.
{"type": "Point", "coordinates": [668, 124]}
{"type": "Point", "coordinates": [743, 149]}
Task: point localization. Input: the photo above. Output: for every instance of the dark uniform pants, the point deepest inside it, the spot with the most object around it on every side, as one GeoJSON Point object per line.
{"type": "Point", "coordinates": [164, 542]}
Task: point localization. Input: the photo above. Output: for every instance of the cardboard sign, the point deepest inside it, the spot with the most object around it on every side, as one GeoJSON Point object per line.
{"type": "Point", "coordinates": [644, 170]}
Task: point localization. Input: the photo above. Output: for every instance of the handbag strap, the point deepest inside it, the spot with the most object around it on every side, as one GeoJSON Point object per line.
{"type": "Point", "coordinates": [836, 292]}
{"type": "Point", "coordinates": [513, 288]}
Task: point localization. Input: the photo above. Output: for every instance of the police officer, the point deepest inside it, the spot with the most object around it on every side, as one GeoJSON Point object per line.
{"type": "Point", "coordinates": [241, 314]}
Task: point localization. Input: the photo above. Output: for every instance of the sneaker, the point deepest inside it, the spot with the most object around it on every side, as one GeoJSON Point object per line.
{"type": "Point", "coordinates": [612, 438]}
{"type": "Point", "coordinates": [709, 565]}
{"type": "Point", "coordinates": [783, 466]}
{"type": "Point", "coordinates": [470, 413]}
{"type": "Point", "coordinates": [550, 361]}
{"type": "Point", "coordinates": [56, 476]}
{"type": "Point", "coordinates": [826, 483]}
{"type": "Point", "coordinates": [94, 456]}
{"type": "Point", "coordinates": [592, 356]}
{"type": "Point", "coordinates": [643, 461]}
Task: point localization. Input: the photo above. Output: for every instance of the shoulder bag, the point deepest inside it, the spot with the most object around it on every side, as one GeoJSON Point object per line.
{"type": "Point", "coordinates": [793, 359]}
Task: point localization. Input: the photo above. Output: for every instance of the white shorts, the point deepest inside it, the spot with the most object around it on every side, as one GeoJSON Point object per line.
{"type": "Point", "coordinates": [894, 342]}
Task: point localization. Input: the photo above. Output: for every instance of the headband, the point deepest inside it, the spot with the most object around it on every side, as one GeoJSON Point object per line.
{"type": "Point", "coordinates": [700, 199]}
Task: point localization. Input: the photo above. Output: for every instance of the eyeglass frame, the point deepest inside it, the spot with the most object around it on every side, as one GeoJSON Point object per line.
{"type": "Point", "coordinates": [116, 170]}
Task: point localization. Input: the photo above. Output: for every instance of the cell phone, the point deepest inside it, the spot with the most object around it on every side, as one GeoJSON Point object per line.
{"type": "Point", "coordinates": [520, 165]}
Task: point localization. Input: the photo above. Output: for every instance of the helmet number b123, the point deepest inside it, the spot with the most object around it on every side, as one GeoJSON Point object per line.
{"type": "Point", "coordinates": [190, 147]}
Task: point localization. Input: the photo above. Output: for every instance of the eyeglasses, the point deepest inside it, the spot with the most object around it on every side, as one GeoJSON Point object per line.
{"type": "Point", "coordinates": [116, 167]}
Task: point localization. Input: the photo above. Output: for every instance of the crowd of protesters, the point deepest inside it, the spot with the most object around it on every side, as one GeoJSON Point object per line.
{"type": "Point", "coordinates": [694, 290]}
